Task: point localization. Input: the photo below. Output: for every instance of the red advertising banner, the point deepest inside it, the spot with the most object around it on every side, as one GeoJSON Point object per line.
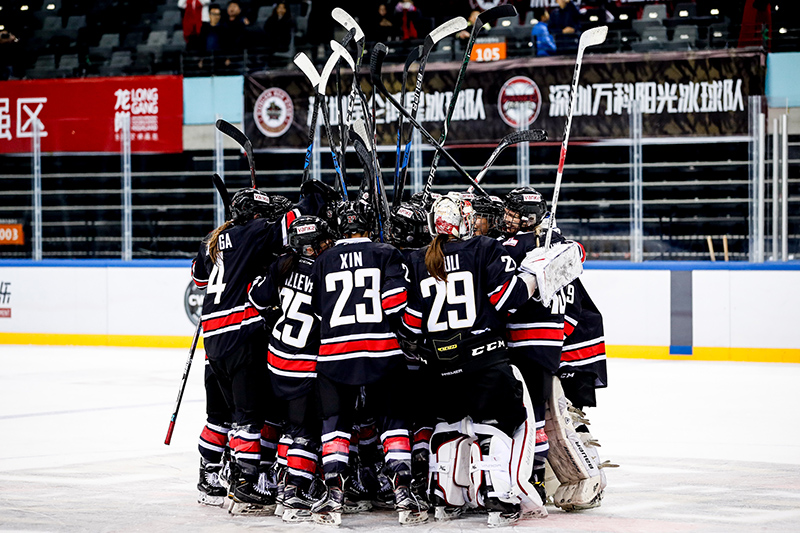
{"type": "Point", "coordinates": [86, 115]}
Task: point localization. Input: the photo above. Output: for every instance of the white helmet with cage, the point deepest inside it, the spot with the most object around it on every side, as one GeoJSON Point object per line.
{"type": "Point", "coordinates": [452, 214]}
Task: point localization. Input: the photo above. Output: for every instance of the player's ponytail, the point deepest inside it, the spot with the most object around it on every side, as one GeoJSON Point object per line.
{"type": "Point", "coordinates": [434, 257]}
{"type": "Point", "coordinates": [213, 241]}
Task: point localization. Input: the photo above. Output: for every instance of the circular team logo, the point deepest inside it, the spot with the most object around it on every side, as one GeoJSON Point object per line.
{"type": "Point", "coordinates": [274, 112]}
{"type": "Point", "coordinates": [193, 302]}
{"type": "Point", "coordinates": [483, 5]}
{"type": "Point", "coordinates": [520, 100]}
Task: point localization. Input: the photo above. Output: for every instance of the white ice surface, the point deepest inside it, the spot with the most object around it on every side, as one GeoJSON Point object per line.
{"type": "Point", "coordinates": [708, 447]}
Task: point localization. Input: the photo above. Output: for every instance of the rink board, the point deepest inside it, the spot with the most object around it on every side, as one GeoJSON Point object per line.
{"type": "Point", "coordinates": [696, 311]}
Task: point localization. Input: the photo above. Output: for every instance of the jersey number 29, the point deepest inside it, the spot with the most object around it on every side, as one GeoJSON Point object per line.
{"type": "Point", "coordinates": [459, 290]}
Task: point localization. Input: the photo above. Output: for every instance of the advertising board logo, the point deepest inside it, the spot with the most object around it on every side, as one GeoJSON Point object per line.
{"type": "Point", "coordinates": [274, 112]}
{"type": "Point", "coordinates": [519, 102]}
{"type": "Point", "coordinates": [5, 299]}
{"type": "Point", "coordinates": [193, 302]}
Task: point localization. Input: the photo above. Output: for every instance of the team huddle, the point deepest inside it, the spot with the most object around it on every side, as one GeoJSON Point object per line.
{"type": "Point", "coordinates": [438, 364]}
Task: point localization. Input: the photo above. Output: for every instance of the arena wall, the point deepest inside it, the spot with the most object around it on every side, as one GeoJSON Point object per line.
{"type": "Point", "coordinates": [657, 310]}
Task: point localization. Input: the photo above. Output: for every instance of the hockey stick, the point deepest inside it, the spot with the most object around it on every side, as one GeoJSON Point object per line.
{"type": "Point", "coordinates": [184, 379]}
{"type": "Point", "coordinates": [222, 190]}
{"type": "Point", "coordinates": [432, 39]}
{"type": "Point", "coordinates": [379, 189]}
{"type": "Point", "coordinates": [376, 62]}
{"type": "Point", "coordinates": [342, 17]}
{"type": "Point", "coordinates": [512, 138]}
{"type": "Point", "coordinates": [323, 81]}
{"type": "Point", "coordinates": [241, 139]}
{"type": "Point", "coordinates": [342, 123]}
{"type": "Point", "coordinates": [412, 57]}
{"type": "Point", "coordinates": [307, 67]}
{"type": "Point", "coordinates": [591, 37]}
{"type": "Point", "coordinates": [490, 15]}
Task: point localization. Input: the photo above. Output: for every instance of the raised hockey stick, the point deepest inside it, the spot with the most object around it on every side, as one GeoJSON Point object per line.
{"type": "Point", "coordinates": [412, 57]}
{"type": "Point", "coordinates": [512, 138]}
{"type": "Point", "coordinates": [488, 16]}
{"type": "Point", "coordinates": [379, 189]}
{"type": "Point", "coordinates": [184, 379]}
{"type": "Point", "coordinates": [591, 37]}
{"type": "Point", "coordinates": [376, 62]}
{"type": "Point", "coordinates": [222, 190]}
{"type": "Point", "coordinates": [307, 67]}
{"type": "Point", "coordinates": [342, 123]}
{"type": "Point", "coordinates": [349, 23]}
{"type": "Point", "coordinates": [241, 139]}
{"type": "Point", "coordinates": [323, 82]}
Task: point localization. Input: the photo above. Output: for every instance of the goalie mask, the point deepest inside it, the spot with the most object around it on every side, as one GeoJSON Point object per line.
{"type": "Point", "coordinates": [309, 236]}
{"type": "Point", "coordinates": [525, 208]}
{"type": "Point", "coordinates": [408, 227]}
{"type": "Point", "coordinates": [452, 214]}
{"type": "Point", "coordinates": [247, 203]}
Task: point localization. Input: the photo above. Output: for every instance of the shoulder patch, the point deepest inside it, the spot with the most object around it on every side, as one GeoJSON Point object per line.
{"type": "Point", "coordinates": [510, 242]}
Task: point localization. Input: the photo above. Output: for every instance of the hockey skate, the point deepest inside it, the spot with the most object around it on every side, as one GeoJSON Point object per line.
{"type": "Point", "coordinates": [211, 492]}
{"type": "Point", "coordinates": [296, 505]}
{"type": "Point", "coordinates": [502, 513]}
{"type": "Point", "coordinates": [253, 497]}
{"type": "Point", "coordinates": [384, 496]}
{"type": "Point", "coordinates": [328, 511]}
{"type": "Point", "coordinates": [357, 497]}
{"type": "Point", "coordinates": [410, 510]}
{"type": "Point", "coordinates": [280, 479]}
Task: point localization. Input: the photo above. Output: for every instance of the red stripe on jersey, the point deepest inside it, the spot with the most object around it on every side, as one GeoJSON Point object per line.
{"type": "Point", "coordinates": [299, 462]}
{"type": "Point", "coordinates": [568, 329]}
{"type": "Point", "coordinates": [394, 300]}
{"type": "Point", "coordinates": [494, 298]}
{"type": "Point", "coordinates": [372, 345]}
{"type": "Point", "coordinates": [291, 365]}
{"type": "Point", "coordinates": [337, 445]}
{"type": "Point", "coordinates": [283, 449]}
{"type": "Point", "coordinates": [412, 321]}
{"type": "Point", "coordinates": [556, 334]}
{"type": "Point", "coordinates": [247, 446]}
{"type": "Point", "coordinates": [396, 444]}
{"type": "Point", "coordinates": [423, 435]}
{"type": "Point", "coordinates": [290, 216]}
{"type": "Point", "coordinates": [201, 284]}
{"type": "Point", "coordinates": [214, 437]}
{"type": "Point", "coordinates": [584, 353]}
{"type": "Point", "coordinates": [234, 318]}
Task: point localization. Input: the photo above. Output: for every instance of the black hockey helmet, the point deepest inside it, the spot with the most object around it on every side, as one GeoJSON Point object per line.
{"type": "Point", "coordinates": [528, 204]}
{"type": "Point", "coordinates": [354, 217]}
{"type": "Point", "coordinates": [408, 226]}
{"type": "Point", "coordinates": [248, 202]}
{"type": "Point", "coordinates": [309, 235]}
{"type": "Point", "coordinates": [488, 214]}
{"type": "Point", "coordinates": [280, 206]}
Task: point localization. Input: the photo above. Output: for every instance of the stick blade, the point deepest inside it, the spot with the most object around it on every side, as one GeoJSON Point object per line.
{"type": "Point", "coordinates": [222, 190]}
{"type": "Point", "coordinates": [343, 53]}
{"type": "Point", "coordinates": [379, 52]}
{"type": "Point", "coordinates": [593, 37]}
{"type": "Point", "coordinates": [326, 72]}
{"type": "Point", "coordinates": [343, 17]}
{"type": "Point", "coordinates": [497, 12]}
{"type": "Point", "coordinates": [526, 136]}
{"type": "Point", "coordinates": [448, 28]}
{"type": "Point", "coordinates": [306, 66]}
{"type": "Point", "coordinates": [360, 129]}
{"type": "Point", "coordinates": [233, 132]}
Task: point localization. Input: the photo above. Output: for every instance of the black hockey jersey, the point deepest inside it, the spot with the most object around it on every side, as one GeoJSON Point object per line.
{"type": "Point", "coordinates": [360, 290]}
{"type": "Point", "coordinates": [584, 341]}
{"type": "Point", "coordinates": [534, 331]}
{"type": "Point", "coordinates": [463, 319]}
{"type": "Point", "coordinates": [294, 343]}
{"type": "Point", "coordinates": [245, 252]}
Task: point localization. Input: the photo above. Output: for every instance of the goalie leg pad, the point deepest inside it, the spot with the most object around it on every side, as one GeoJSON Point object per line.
{"type": "Point", "coordinates": [449, 465]}
{"type": "Point", "coordinates": [576, 469]}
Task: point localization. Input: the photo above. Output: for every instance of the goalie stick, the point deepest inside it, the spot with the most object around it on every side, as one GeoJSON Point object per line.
{"type": "Point", "coordinates": [241, 139]}
{"type": "Point", "coordinates": [591, 37]}
{"type": "Point", "coordinates": [512, 138]}
{"type": "Point", "coordinates": [432, 39]}
{"type": "Point", "coordinates": [307, 67]}
{"type": "Point", "coordinates": [490, 15]}
{"type": "Point", "coordinates": [376, 62]}
{"type": "Point", "coordinates": [184, 379]}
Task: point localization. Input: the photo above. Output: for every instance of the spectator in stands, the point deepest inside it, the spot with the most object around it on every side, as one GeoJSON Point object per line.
{"type": "Point", "coordinates": [565, 19]}
{"type": "Point", "coordinates": [234, 30]}
{"type": "Point", "coordinates": [473, 16]}
{"type": "Point", "coordinates": [278, 28]}
{"type": "Point", "coordinates": [213, 30]}
{"type": "Point", "coordinates": [9, 51]}
{"type": "Point", "coordinates": [195, 15]}
{"type": "Point", "coordinates": [540, 33]}
{"type": "Point", "coordinates": [382, 29]}
{"type": "Point", "coordinates": [408, 20]}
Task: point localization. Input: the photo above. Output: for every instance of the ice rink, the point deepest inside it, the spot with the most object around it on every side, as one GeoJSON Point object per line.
{"type": "Point", "coordinates": [706, 447]}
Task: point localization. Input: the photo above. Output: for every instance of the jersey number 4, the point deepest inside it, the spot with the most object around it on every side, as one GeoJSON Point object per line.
{"type": "Point", "coordinates": [215, 285]}
{"type": "Point", "coordinates": [459, 290]}
{"type": "Point", "coordinates": [370, 279]}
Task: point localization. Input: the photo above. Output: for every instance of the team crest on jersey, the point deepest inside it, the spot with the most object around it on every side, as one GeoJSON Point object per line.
{"type": "Point", "coordinates": [308, 228]}
{"type": "Point", "coordinates": [273, 112]}
{"type": "Point", "coordinates": [510, 242]}
{"type": "Point", "coordinates": [519, 102]}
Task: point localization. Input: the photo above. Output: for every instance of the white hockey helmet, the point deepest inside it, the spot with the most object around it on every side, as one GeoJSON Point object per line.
{"type": "Point", "coordinates": [452, 214]}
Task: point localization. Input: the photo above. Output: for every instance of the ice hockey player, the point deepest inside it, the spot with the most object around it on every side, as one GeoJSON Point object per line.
{"type": "Point", "coordinates": [292, 357]}
{"type": "Point", "coordinates": [488, 214]}
{"type": "Point", "coordinates": [213, 442]}
{"type": "Point", "coordinates": [234, 337]}
{"type": "Point", "coordinates": [461, 291]}
{"type": "Point", "coordinates": [360, 291]}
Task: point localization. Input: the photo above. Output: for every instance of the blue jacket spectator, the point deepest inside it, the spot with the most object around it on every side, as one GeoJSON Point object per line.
{"type": "Point", "coordinates": [540, 36]}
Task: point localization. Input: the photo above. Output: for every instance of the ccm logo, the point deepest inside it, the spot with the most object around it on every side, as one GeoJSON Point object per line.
{"type": "Point", "coordinates": [488, 348]}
